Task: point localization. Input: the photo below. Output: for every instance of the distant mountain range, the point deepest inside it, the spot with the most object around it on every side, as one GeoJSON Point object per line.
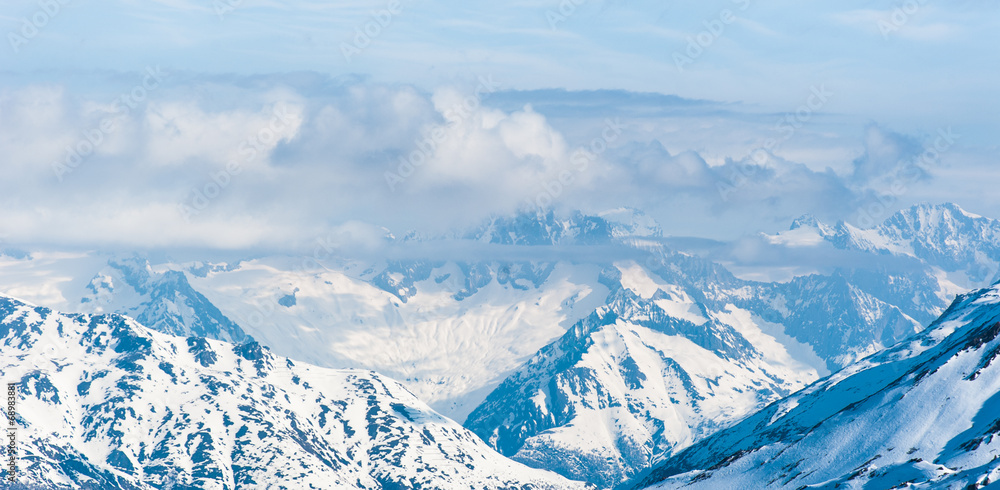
{"type": "Point", "coordinates": [578, 344]}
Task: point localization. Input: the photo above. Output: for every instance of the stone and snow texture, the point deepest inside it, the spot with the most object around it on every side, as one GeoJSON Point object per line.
{"type": "Point", "coordinates": [479, 333]}
{"type": "Point", "coordinates": [107, 403]}
{"type": "Point", "coordinates": [922, 414]}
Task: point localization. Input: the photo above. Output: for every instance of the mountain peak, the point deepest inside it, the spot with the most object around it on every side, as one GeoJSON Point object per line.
{"type": "Point", "coordinates": [631, 222]}
{"type": "Point", "coordinates": [543, 227]}
{"type": "Point", "coordinates": [141, 409]}
{"type": "Point", "coordinates": [804, 221]}
{"type": "Point", "coordinates": [936, 213]}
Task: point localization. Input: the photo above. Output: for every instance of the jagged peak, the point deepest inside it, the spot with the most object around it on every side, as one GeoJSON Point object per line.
{"type": "Point", "coordinates": [804, 221]}
{"type": "Point", "coordinates": [809, 221]}
{"type": "Point", "coordinates": [543, 227]}
{"type": "Point", "coordinates": [631, 222]}
{"type": "Point", "coordinates": [925, 214]}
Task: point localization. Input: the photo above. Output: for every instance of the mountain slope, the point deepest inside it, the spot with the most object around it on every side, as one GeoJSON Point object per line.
{"type": "Point", "coordinates": [95, 283]}
{"type": "Point", "coordinates": [163, 301]}
{"type": "Point", "coordinates": [682, 348]}
{"type": "Point", "coordinates": [838, 319]}
{"type": "Point", "coordinates": [107, 403]}
{"type": "Point", "coordinates": [650, 372]}
{"type": "Point", "coordinates": [450, 352]}
{"type": "Point", "coordinates": [925, 413]}
{"type": "Point", "coordinates": [841, 321]}
{"type": "Point", "coordinates": [452, 329]}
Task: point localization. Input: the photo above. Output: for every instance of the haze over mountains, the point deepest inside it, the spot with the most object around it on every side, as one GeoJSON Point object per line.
{"type": "Point", "coordinates": [579, 344]}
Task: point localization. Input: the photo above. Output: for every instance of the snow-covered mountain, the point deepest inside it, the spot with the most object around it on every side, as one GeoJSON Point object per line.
{"type": "Point", "coordinates": [922, 414]}
{"type": "Point", "coordinates": [681, 349]}
{"type": "Point", "coordinates": [107, 403]}
{"type": "Point", "coordinates": [461, 329]}
{"type": "Point", "coordinates": [944, 250]}
{"type": "Point", "coordinates": [839, 319]}
{"type": "Point", "coordinates": [651, 371]}
{"type": "Point", "coordinates": [491, 303]}
{"type": "Point", "coordinates": [544, 228]}
{"type": "Point", "coordinates": [583, 407]}
{"type": "Point", "coordinates": [162, 299]}
{"type": "Point", "coordinates": [944, 236]}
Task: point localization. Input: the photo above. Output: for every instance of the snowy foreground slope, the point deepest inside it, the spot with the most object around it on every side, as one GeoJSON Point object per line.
{"type": "Point", "coordinates": [924, 413]}
{"type": "Point", "coordinates": [106, 403]}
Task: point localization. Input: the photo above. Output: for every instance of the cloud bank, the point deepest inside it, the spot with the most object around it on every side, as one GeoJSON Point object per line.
{"type": "Point", "coordinates": [156, 160]}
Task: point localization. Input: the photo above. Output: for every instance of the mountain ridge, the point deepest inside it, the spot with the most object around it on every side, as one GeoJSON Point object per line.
{"type": "Point", "coordinates": [924, 411]}
{"type": "Point", "coordinates": [107, 403]}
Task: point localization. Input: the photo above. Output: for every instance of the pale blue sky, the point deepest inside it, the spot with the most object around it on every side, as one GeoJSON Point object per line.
{"type": "Point", "coordinates": [941, 61]}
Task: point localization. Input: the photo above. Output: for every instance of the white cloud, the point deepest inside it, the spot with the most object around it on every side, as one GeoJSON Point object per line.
{"type": "Point", "coordinates": [327, 166]}
{"type": "Point", "coordinates": [179, 131]}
